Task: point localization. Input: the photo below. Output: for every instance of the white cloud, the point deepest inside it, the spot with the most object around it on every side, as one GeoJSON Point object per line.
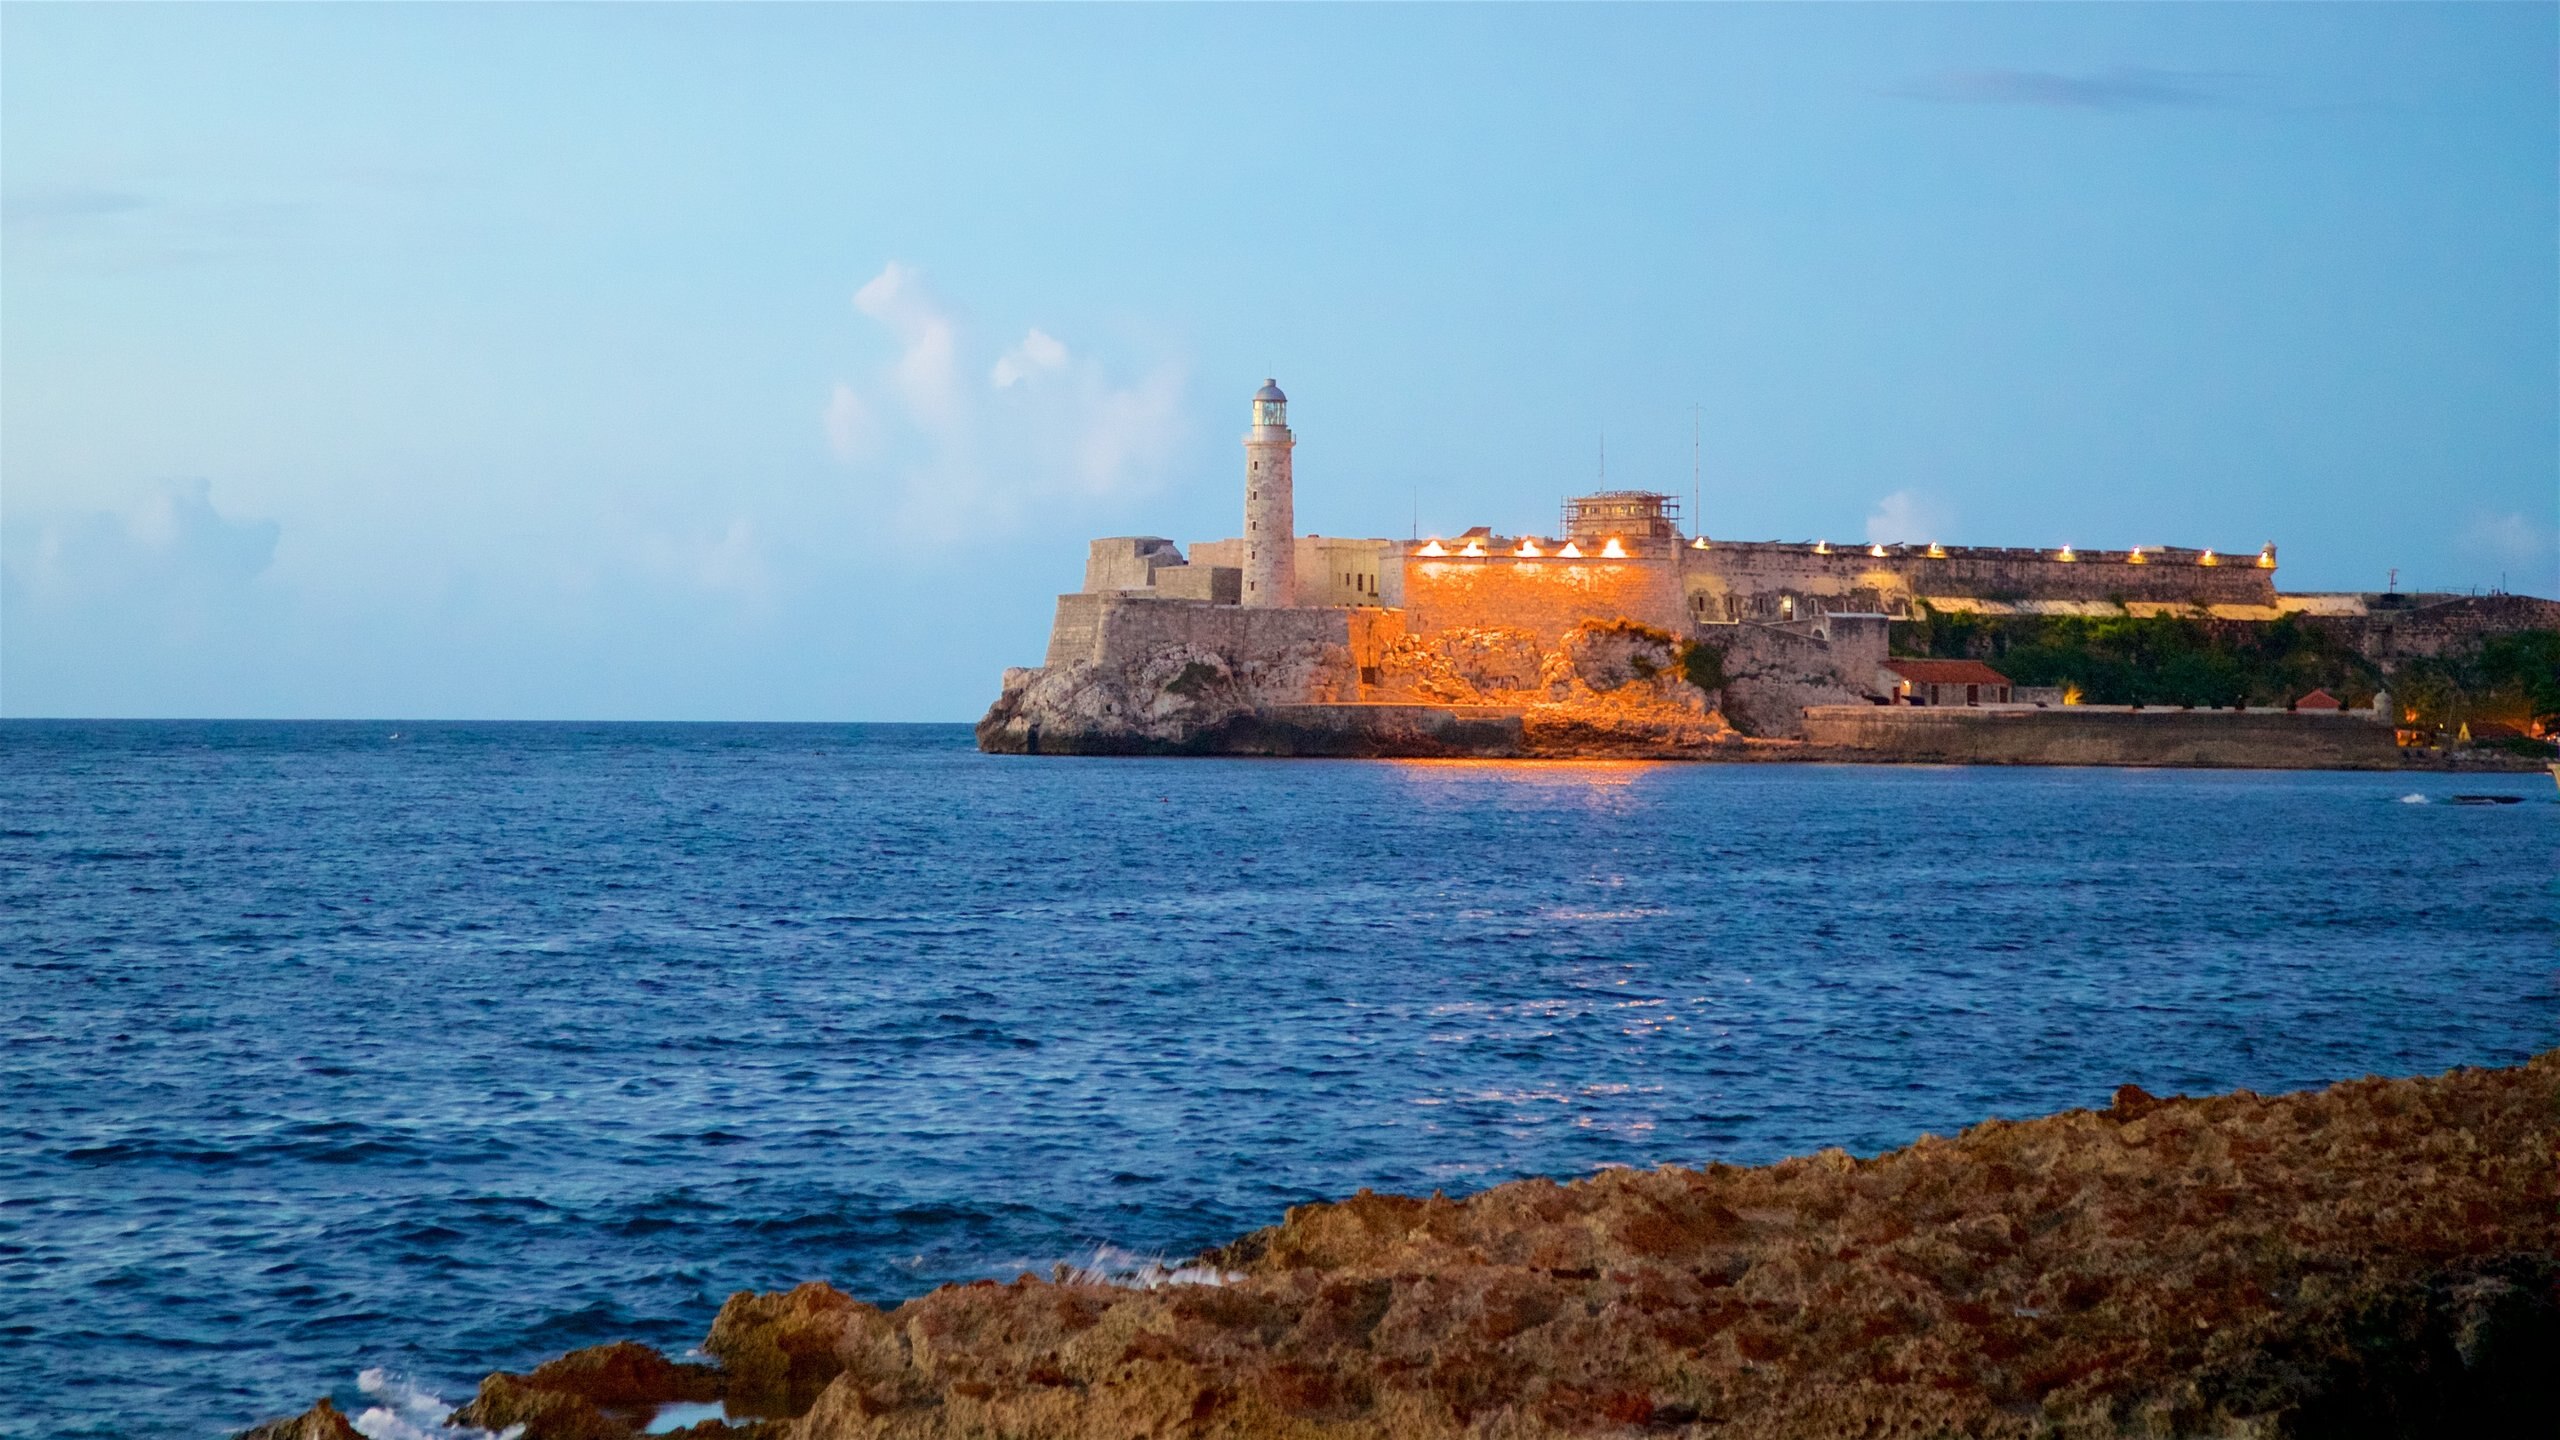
{"type": "Point", "coordinates": [1047, 424]}
{"type": "Point", "coordinates": [1906, 517]}
{"type": "Point", "coordinates": [1038, 351]}
{"type": "Point", "coordinates": [2509, 539]}
{"type": "Point", "coordinates": [733, 564]}
{"type": "Point", "coordinates": [171, 544]}
{"type": "Point", "coordinates": [1129, 431]}
{"type": "Point", "coordinates": [2521, 550]}
{"type": "Point", "coordinates": [852, 430]}
{"type": "Point", "coordinates": [736, 564]}
{"type": "Point", "coordinates": [925, 374]}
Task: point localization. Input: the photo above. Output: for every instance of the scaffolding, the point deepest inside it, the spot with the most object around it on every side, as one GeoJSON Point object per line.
{"type": "Point", "coordinates": [1625, 514]}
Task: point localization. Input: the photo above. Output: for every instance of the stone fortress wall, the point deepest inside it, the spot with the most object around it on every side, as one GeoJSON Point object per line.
{"type": "Point", "coordinates": [1764, 581]}
{"type": "Point", "coordinates": [1161, 648]}
{"type": "Point", "coordinates": [2107, 735]}
{"type": "Point", "coordinates": [1794, 625]}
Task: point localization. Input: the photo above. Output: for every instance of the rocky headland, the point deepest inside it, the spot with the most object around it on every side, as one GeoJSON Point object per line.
{"type": "Point", "coordinates": [2379, 1258]}
{"type": "Point", "coordinates": [1608, 688]}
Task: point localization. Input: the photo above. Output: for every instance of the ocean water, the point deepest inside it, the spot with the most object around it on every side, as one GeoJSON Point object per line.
{"type": "Point", "coordinates": [436, 1048]}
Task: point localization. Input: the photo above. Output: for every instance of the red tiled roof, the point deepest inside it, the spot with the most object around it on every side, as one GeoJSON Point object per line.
{"type": "Point", "coordinates": [2318, 700]}
{"type": "Point", "coordinates": [1946, 672]}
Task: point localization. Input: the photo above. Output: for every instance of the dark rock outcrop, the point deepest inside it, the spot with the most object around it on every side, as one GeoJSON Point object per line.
{"type": "Point", "coordinates": [603, 1393]}
{"type": "Point", "coordinates": [321, 1422]}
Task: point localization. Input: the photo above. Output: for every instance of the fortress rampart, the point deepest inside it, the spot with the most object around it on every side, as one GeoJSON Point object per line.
{"type": "Point", "coordinates": [1745, 580]}
{"type": "Point", "coordinates": [1625, 612]}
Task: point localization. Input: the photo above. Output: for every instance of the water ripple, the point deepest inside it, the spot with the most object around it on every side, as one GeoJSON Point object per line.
{"type": "Point", "coordinates": [332, 1056]}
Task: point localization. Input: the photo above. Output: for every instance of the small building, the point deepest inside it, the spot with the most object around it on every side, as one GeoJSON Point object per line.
{"type": "Point", "coordinates": [1943, 682]}
{"type": "Point", "coordinates": [2319, 700]}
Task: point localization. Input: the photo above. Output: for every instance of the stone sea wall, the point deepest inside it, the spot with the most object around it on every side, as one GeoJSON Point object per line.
{"type": "Point", "coordinates": [2091, 735]}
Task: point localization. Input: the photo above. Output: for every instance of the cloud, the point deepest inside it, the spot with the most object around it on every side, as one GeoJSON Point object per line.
{"type": "Point", "coordinates": [852, 430]}
{"type": "Point", "coordinates": [2510, 541]}
{"type": "Point", "coordinates": [1907, 518]}
{"type": "Point", "coordinates": [162, 607]}
{"type": "Point", "coordinates": [731, 563]}
{"type": "Point", "coordinates": [1038, 351]}
{"type": "Point", "coordinates": [925, 375]}
{"type": "Point", "coordinates": [56, 204]}
{"type": "Point", "coordinates": [173, 544]}
{"type": "Point", "coordinates": [2120, 88]}
{"type": "Point", "coordinates": [1047, 423]}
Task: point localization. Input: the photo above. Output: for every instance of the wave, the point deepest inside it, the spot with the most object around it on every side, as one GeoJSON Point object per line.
{"type": "Point", "coordinates": [410, 1411]}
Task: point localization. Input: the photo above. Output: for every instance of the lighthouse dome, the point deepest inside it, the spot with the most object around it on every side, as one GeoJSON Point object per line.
{"type": "Point", "coordinates": [1270, 391]}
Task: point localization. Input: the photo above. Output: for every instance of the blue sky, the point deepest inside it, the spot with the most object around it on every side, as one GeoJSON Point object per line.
{"type": "Point", "coordinates": [776, 362]}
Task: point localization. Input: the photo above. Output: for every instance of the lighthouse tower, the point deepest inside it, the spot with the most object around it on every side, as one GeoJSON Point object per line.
{"type": "Point", "coordinates": [1270, 518]}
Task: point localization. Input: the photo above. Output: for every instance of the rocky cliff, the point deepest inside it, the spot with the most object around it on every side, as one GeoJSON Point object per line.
{"type": "Point", "coordinates": [1606, 688]}
{"type": "Point", "coordinates": [2381, 1258]}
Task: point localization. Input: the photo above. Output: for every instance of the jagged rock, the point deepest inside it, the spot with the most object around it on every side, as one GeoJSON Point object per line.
{"type": "Point", "coordinates": [2379, 1258]}
{"type": "Point", "coordinates": [1608, 688]}
{"type": "Point", "coordinates": [605, 1392]}
{"type": "Point", "coordinates": [780, 1351]}
{"type": "Point", "coordinates": [321, 1422]}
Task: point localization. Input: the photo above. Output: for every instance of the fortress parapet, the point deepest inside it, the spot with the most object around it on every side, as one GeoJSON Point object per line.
{"type": "Point", "coordinates": [1771, 580]}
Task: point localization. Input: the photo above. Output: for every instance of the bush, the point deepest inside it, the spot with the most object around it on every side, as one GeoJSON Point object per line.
{"type": "Point", "coordinates": [1702, 665]}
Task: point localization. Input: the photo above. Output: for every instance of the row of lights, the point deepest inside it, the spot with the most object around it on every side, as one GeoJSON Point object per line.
{"type": "Point", "coordinates": [1613, 550]}
{"type": "Point", "coordinates": [1528, 550]}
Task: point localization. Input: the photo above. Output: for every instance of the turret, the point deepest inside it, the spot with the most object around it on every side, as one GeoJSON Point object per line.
{"type": "Point", "coordinates": [1270, 507]}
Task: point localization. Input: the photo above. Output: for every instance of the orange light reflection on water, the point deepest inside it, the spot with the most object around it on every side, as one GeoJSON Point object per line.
{"type": "Point", "coordinates": [1578, 774]}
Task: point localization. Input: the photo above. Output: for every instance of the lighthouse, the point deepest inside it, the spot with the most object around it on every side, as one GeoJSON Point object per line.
{"type": "Point", "coordinates": [1270, 519]}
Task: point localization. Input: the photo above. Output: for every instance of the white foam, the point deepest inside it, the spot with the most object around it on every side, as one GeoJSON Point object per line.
{"type": "Point", "coordinates": [410, 1411]}
{"type": "Point", "coordinates": [2413, 798]}
{"type": "Point", "coordinates": [683, 1413]}
{"type": "Point", "coordinates": [1128, 1270]}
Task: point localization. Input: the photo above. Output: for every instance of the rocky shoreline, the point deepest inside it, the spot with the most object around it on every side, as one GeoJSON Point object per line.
{"type": "Point", "coordinates": [2379, 1258]}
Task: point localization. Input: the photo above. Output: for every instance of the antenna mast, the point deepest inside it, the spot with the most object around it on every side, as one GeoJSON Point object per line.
{"type": "Point", "coordinates": [1697, 484]}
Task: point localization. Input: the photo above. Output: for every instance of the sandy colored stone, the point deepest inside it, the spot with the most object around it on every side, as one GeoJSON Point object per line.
{"type": "Point", "coordinates": [2380, 1258]}
{"type": "Point", "coordinates": [321, 1422]}
{"type": "Point", "coordinates": [2377, 1258]}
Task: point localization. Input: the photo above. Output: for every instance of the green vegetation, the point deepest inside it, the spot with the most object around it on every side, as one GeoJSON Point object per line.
{"type": "Point", "coordinates": [2153, 660]}
{"type": "Point", "coordinates": [1702, 665]}
{"type": "Point", "coordinates": [2196, 660]}
{"type": "Point", "coordinates": [2511, 678]}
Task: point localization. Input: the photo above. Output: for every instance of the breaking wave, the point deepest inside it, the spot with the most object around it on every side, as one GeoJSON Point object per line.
{"type": "Point", "coordinates": [410, 1411]}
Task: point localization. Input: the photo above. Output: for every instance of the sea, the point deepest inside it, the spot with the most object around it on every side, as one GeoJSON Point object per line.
{"type": "Point", "coordinates": [361, 1059]}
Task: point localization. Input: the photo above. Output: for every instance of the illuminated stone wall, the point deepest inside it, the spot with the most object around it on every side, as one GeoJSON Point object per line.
{"type": "Point", "coordinates": [1544, 597]}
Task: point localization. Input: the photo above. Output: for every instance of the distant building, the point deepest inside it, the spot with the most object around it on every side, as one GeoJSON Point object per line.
{"type": "Point", "coordinates": [1944, 682]}
{"type": "Point", "coordinates": [1473, 616]}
